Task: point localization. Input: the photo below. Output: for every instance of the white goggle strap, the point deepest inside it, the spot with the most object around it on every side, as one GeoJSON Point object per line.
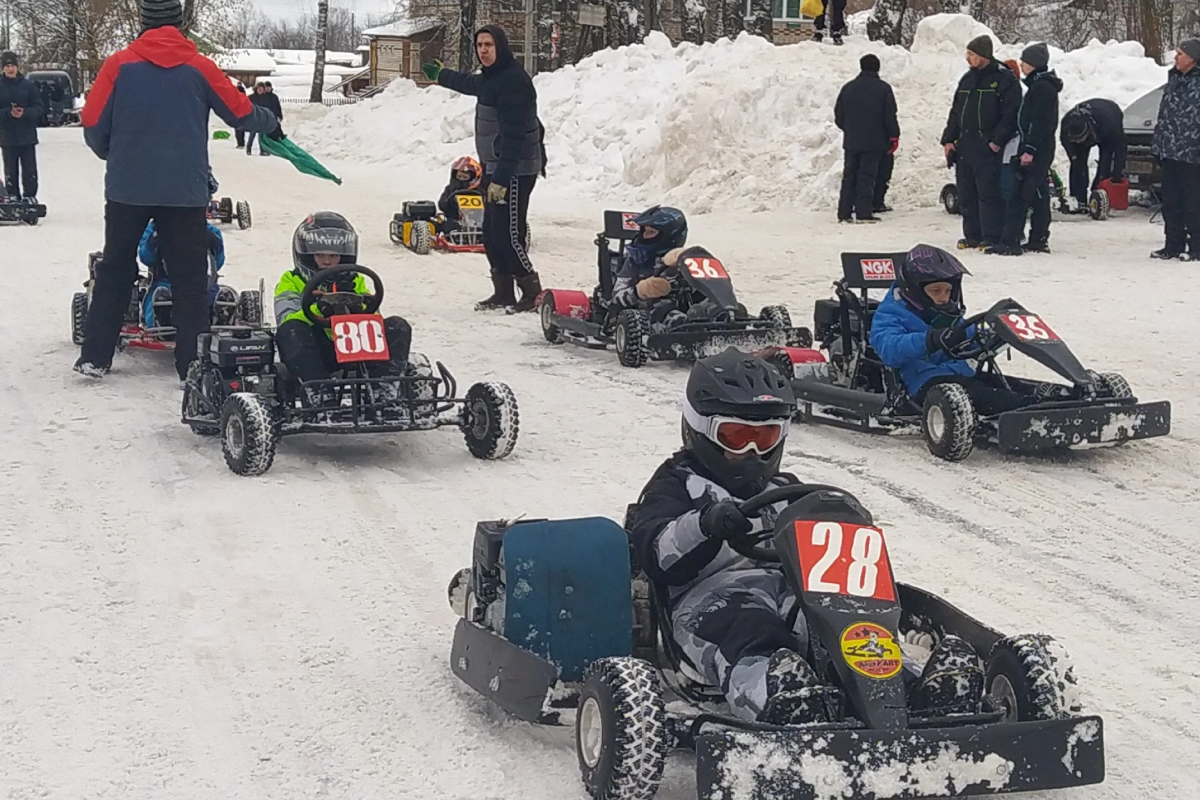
{"type": "Point", "coordinates": [708, 427]}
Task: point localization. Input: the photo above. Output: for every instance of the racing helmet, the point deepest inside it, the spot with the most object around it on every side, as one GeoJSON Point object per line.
{"type": "Point", "coordinates": [926, 264]}
{"type": "Point", "coordinates": [737, 410]}
{"type": "Point", "coordinates": [323, 232]}
{"type": "Point", "coordinates": [671, 225]}
{"type": "Point", "coordinates": [1078, 126]}
{"type": "Point", "coordinates": [468, 164]}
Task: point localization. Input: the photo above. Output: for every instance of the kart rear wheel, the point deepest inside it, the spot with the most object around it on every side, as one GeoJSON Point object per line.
{"type": "Point", "coordinates": [243, 214]}
{"type": "Point", "coordinates": [490, 421]}
{"type": "Point", "coordinates": [546, 309]}
{"type": "Point", "coordinates": [620, 730]}
{"type": "Point", "coordinates": [633, 326]}
{"type": "Point", "coordinates": [249, 308]}
{"type": "Point", "coordinates": [949, 198]}
{"type": "Point", "coordinates": [1099, 205]}
{"type": "Point", "coordinates": [225, 210]}
{"type": "Point", "coordinates": [422, 238]}
{"type": "Point", "coordinates": [948, 422]}
{"type": "Point", "coordinates": [778, 316]}
{"type": "Point", "coordinates": [1031, 678]}
{"type": "Point", "coordinates": [248, 434]}
{"type": "Point", "coordinates": [79, 312]}
{"type": "Point", "coordinates": [193, 389]}
{"type": "Point", "coordinates": [1116, 385]}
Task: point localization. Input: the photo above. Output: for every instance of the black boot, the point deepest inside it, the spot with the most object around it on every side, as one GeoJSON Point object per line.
{"type": "Point", "coordinates": [794, 692]}
{"type": "Point", "coordinates": [531, 287]}
{"type": "Point", "coordinates": [952, 681]}
{"type": "Point", "coordinates": [502, 294]}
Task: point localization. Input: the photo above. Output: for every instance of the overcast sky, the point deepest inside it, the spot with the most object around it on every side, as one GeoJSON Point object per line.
{"type": "Point", "coordinates": [294, 8]}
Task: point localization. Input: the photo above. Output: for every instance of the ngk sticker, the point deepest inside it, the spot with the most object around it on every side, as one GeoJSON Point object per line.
{"type": "Point", "coordinates": [878, 269]}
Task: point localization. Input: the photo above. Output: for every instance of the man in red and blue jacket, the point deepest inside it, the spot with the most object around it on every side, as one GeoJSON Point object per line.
{"type": "Point", "coordinates": [147, 116]}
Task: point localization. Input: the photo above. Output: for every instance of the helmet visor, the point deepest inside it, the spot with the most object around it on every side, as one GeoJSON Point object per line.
{"type": "Point", "coordinates": [311, 241]}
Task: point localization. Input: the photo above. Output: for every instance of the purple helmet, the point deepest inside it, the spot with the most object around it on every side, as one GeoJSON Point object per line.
{"type": "Point", "coordinates": [927, 264]}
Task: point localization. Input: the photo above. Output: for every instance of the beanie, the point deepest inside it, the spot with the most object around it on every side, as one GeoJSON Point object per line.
{"type": "Point", "coordinates": [8, 58]}
{"type": "Point", "coordinates": [982, 46]}
{"type": "Point", "coordinates": [161, 13]}
{"type": "Point", "coordinates": [869, 63]}
{"type": "Point", "coordinates": [1036, 55]}
{"type": "Point", "coordinates": [1191, 47]}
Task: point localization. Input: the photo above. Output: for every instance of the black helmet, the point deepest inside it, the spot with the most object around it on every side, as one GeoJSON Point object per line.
{"type": "Point", "coordinates": [323, 232]}
{"type": "Point", "coordinates": [926, 264]}
{"type": "Point", "coordinates": [1078, 126]}
{"type": "Point", "coordinates": [736, 415]}
{"type": "Point", "coordinates": [671, 225]}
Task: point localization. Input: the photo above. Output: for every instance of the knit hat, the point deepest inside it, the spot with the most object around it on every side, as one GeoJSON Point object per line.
{"type": "Point", "coordinates": [161, 14]}
{"type": "Point", "coordinates": [869, 63]}
{"type": "Point", "coordinates": [1191, 47]}
{"type": "Point", "coordinates": [8, 58]}
{"type": "Point", "coordinates": [982, 46]}
{"type": "Point", "coordinates": [1036, 55]}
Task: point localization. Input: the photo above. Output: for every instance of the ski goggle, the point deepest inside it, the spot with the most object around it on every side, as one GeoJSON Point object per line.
{"type": "Point", "coordinates": [739, 436]}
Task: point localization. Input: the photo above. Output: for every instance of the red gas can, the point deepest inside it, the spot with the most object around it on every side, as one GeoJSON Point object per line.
{"type": "Point", "coordinates": [1118, 194]}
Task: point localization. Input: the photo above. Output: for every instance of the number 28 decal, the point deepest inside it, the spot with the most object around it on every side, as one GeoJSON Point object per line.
{"type": "Point", "coordinates": [1029, 327]}
{"type": "Point", "coordinates": [705, 268]}
{"type": "Point", "coordinates": [842, 558]}
{"type": "Point", "coordinates": [359, 337]}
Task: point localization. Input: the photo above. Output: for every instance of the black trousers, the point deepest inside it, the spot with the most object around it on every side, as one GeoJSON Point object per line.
{"type": "Point", "coordinates": [1111, 164]}
{"type": "Point", "coordinates": [183, 237]}
{"type": "Point", "coordinates": [240, 137]}
{"type": "Point", "coordinates": [985, 390]}
{"type": "Point", "coordinates": [20, 161]}
{"type": "Point", "coordinates": [1031, 192]}
{"type": "Point", "coordinates": [887, 162]}
{"type": "Point", "coordinates": [1181, 206]}
{"type": "Point", "coordinates": [859, 170]}
{"type": "Point", "coordinates": [505, 228]}
{"type": "Point", "coordinates": [836, 11]}
{"type": "Point", "coordinates": [980, 199]}
{"type": "Point", "coordinates": [308, 351]}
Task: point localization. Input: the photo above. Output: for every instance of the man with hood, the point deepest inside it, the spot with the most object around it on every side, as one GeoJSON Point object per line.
{"type": "Point", "coordinates": [20, 110]}
{"type": "Point", "coordinates": [1176, 145]}
{"type": "Point", "coordinates": [147, 116]}
{"type": "Point", "coordinates": [1096, 122]}
{"type": "Point", "coordinates": [508, 141]}
{"type": "Point", "coordinates": [1037, 123]}
{"type": "Point", "coordinates": [982, 120]}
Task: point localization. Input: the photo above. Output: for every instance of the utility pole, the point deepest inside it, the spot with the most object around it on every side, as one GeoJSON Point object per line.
{"type": "Point", "coordinates": [530, 40]}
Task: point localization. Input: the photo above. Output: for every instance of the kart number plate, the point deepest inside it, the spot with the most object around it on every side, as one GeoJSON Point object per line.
{"type": "Point", "coordinates": [359, 337]}
{"type": "Point", "coordinates": [706, 269]}
{"type": "Point", "coordinates": [845, 559]}
{"type": "Point", "coordinates": [1029, 328]}
{"type": "Point", "coordinates": [470, 201]}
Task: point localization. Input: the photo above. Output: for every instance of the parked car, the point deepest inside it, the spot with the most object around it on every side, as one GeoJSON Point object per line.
{"type": "Point", "coordinates": [1140, 119]}
{"type": "Point", "coordinates": [58, 97]}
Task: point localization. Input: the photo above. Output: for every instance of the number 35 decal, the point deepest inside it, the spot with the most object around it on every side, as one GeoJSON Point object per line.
{"type": "Point", "coordinates": [1029, 327]}
{"type": "Point", "coordinates": [846, 559]}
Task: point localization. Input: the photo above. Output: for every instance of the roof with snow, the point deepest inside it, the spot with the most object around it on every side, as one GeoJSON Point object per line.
{"type": "Point", "coordinates": [245, 61]}
{"type": "Point", "coordinates": [404, 28]}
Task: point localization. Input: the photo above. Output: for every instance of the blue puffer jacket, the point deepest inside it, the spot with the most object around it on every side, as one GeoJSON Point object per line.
{"type": "Point", "coordinates": [151, 256]}
{"type": "Point", "coordinates": [898, 336]}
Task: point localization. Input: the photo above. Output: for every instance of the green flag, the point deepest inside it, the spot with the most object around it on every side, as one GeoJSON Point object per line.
{"type": "Point", "coordinates": [286, 148]}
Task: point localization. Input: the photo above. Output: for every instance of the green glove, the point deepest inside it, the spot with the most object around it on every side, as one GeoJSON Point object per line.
{"type": "Point", "coordinates": [433, 69]}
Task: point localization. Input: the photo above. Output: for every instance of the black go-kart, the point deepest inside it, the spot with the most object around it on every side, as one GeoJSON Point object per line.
{"type": "Point", "coordinates": [236, 389]}
{"type": "Point", "coordinates": [845, 383]}
{"type": "Point", "coordinates": [225, 211]}
{"type": "Point", "coordinates": [1098, 208]}
{"type": "Point", "coordinates": [229, 308]}
{"type": "Point", "coordinates": [19, 209]}
{"type": "Point", "coordinates": [549, 633]}
{"type": "Point", "coordinates": [700, 289]}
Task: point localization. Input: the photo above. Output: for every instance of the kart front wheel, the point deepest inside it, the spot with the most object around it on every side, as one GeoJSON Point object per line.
{"type": "Point", "coordinates": [225, 210]}
{"type": "Point", "coordinates": [1099, 205]}
{"type": "Point", "coordinates": [249, 308]}
{"type": "Point", "coordinates": [777, 316]}
{"type": "Point", "coordinates": [248, 434]}
{"type": "Point", "coordinates": [490, 420]}
{"type": "Point", "coordinates": [620, 730]}
{"type": "Point", "coordinates": [79, 312]}
{"type": "Point", "coordinates": [1116, 385]}
{"type": "Point", "coordinates": [949, 198]}
{"type": "Point", "coordinates": [1031, 678]}
{"type": "Point", "coordinates": [633, 326]}
{"type": "Point", "coordinates": [546, 310]}
{"type": "Point", "coordinates": [422, 238]}
{"type": "Point", "coordinates": [243, 214]}
{"type": "Point", "coordinates": [948, 422]}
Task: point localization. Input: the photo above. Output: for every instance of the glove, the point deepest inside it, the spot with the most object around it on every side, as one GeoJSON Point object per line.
{"type": "Point", "coordinates": [653, 288]}
{"type": "Point", "coordinates": [895, 145]}
{"type": "Point", "coordinates": [277, 134]}
{"type": "Point", "coordinates": [724, 520]}
{"type": "Point", "coordinates": [944, 339]}
{"type": "Point", "coordinates": [672, 257]}
{"type": "Point", "coordinates": [433, 69]}
{"type": "Point", "coordinates": [496, 192]}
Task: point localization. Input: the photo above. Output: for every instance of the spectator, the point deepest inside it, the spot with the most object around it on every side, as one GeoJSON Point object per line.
{"type": "Point", "coordinates": [866, 113]}
{"type": "Point", "coordinates": [257, 99]}
{"type": "Point", "coordinates": [239, 133]}
{"type": "Point", "coordinates": [1011, 147]}
{"type": "Point", "coordinates": [1176, 145]}
{"type": "Point", "coordinates": [272, 102]}
{"type": "Point", "coordinates": [1091, 123]}
{"type": "Point", "coordinates": [837, 21]}
{"type": "Point", "coordinates": [20, 109]}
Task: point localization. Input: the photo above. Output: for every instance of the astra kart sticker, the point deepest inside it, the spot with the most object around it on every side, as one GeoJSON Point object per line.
{"type": "Point", "coordinates": [871, 650]}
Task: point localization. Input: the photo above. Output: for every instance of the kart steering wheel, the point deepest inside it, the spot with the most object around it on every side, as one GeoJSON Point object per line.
{"type": "Point", "coordinates": [331, 304]}
{"type": "Point", "coordinates": [751, 545]}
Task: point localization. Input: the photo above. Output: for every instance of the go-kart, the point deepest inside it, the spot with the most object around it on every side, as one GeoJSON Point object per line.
{"type": "Point", "coordinates": [1098, 207]}
{"type": "Point", "coordinates": [421, 227]}
{"type": "Point", "coordinates": [229, 308]}
{"type": "Point", "coordinates": [236, 389]}
{"type": "Point", "coordinates": [19, 209]}
{"type": "Point", "coordinates": [549, 633]}
{"type": "Point", "coordinates": [700, 289]}
{"type": "Point", "coordinates": [224, 211]}
{"type": "Point", "coordinates": [845, 384]}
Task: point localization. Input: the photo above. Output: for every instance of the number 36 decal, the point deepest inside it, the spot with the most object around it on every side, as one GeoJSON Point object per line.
{"type": "Point", "coordinates": [705, 268]}
{"type": "Point", "coordinates": [842, 558]}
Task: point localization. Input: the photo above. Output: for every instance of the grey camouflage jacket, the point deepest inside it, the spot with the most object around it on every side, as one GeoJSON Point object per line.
{"type": "Point", "coordinates": [1177, 134]}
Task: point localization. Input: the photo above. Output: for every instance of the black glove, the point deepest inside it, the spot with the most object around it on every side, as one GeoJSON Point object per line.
{"type": "Point", "coordinates": [944, 339]}
{"type": "Point", "coordinates": [277, 134]}
{"type": "Point", "coordinates": [724, 520]}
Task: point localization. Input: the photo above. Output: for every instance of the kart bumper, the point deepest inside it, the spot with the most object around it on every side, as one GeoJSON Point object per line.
{"type": "Point", "coordinates": [878, 765]}
{"type": "Point", "coordinates": [1047, 429]}
{"type": "Point", "coordinates": [691, 345]}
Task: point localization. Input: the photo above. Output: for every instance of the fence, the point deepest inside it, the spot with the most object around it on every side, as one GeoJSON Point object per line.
{"type": "Point", "coordinates": [327, 101]}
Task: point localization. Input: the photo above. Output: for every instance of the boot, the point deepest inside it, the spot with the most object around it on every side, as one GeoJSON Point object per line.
{"type": "Point", "coordinates": [952, 681]}
{"type": "Point", "coordinates": [531, 287]}
{"type": "Point", "coordinates": [502, 294]}
{"type": "Point", "coordinates": [794, 692]}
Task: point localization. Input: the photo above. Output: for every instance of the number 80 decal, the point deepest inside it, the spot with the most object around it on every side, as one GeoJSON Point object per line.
{"type": "Point", "coordinates": [359, 337]}
{"type": "Point", "coordinates": [842, 558]}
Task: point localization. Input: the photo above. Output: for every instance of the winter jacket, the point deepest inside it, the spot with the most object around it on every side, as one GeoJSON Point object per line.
{"type": "Point", "coordinates": [448, 202]}
{"type": "Point", "coordinates": [290, 289]}
{"type": "Point", "coordinates": [898, 337]}
{"type": "Point", "coordinates": [508, 134]}
{"type": "Point", "coordinates": [1037, 119]}
{"type": "Point", "coordinates": [984, 111]}
{"type": "Point", "coordinates": [21, 91]}
{"type": "Point", "coordinates": [1177, 134]}
{"type": "Point", "coordinates": [151, 256]}
{"type": "Point", "coordinates": [271, 102]}
{"type": "Point", "coordinates": [866, 113]}
{"type": "Point", "coordinates": [147, 115]}
{"type": "Point", "coordinates": [639, 263]}
{"type": "Point", "coordinates": [1109, 125]}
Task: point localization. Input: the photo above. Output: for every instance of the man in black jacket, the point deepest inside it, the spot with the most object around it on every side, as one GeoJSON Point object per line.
{"type": "Point", "coordinates": [20, 110]}
{"type": "Point", "coordinates": [508, 140]}
{"type": "Point", "coordinates": [982, 120]}
{"type": "Point", "coordinates": [866, 113]}
{"type": "Point", "coordinates": [1094, 122]}
{"type": "Point", "coordinates": [1036, 123]}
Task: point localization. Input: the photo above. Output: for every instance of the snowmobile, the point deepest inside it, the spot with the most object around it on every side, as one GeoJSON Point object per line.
{"type": "Point", "coordinates": [548, 632]}
{"type": "Point", "coordinates": [224, 211]}
{"type": "Point", "coordinates": [236, 389]}
{"type": "Point", "coordinates": [21, 209]}
{"type": "Point", "coordinates": [845, 384]}
{"type": "Point", "coordinates": [700, 289]}
{"type": "Point", "coordinates": [421, 227]}
{"type": "Point", "coordinates": [147, 326]}
{"type": "Point", "coordinates": [1098, 207]}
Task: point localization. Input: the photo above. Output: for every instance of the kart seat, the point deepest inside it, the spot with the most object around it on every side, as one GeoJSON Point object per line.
{"type": "Point", "coordinates": [619, 228]}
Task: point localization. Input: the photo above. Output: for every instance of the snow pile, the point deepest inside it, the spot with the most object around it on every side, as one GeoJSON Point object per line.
{"type": "Point", "coordinates": [733, 123]}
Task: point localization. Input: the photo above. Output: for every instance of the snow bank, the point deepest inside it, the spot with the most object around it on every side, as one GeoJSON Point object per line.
{"type": "Point", "coordinates": [733, 123]}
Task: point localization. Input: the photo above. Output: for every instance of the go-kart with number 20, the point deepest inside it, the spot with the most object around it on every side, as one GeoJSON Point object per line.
{"type": "Point", "coordinates": [421, 227]}
{"type": "Point", "coordinates": [236, 388]}
{"type": "Point", "coordinates": [549, 633]}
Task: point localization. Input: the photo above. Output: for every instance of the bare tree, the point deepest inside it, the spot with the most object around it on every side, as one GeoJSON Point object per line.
{"type": "Point", "coordinates": [886, 21]}
{"type": "Point", "coordinates": [762, 19]}
{"type": "Point", "coordinates": [319, 42]}
{"type": "Point", "coordinates": [695, 18]}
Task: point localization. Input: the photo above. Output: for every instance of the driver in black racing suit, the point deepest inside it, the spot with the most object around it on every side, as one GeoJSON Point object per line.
{"type": "Point", "coordinates": [661, 236]}
{"type": "Point", "coordinates": [735, 619]}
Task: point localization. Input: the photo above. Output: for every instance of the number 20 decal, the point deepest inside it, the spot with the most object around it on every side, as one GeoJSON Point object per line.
{"type": "Point", "coordinates": [1029, 327]}
{"type": "Point", "coordinates": [705, 268]}
{"type": "Point", "coordinates": [846, 559]}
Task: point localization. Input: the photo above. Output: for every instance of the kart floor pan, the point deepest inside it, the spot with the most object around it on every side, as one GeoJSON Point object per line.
{"type": "Point", "coordinates": [1046, 429]}
{"type": "Point", "coordinates": [879, 765]}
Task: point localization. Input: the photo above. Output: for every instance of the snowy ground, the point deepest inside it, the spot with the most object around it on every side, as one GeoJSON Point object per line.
{"type": "Point", "coordinates": [170, 630]}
